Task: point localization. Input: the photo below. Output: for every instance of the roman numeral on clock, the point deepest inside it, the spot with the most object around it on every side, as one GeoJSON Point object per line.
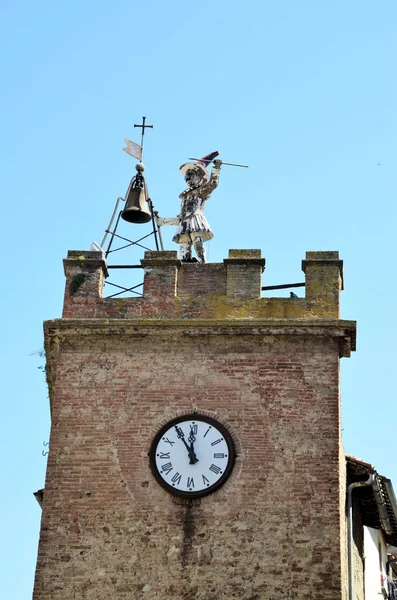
{"type": "Point", "coordinates": [219, 455]}
{"type": "Point", "coordinates": [215, 469]}
{"type": "Point", "coordinates": [167, 441]}
{"type": "Point", "coordinates": [164, 455]}
{"type": "Point", "coordinates": [205, 480]}
{"type": "Point", "coordinates": [167, 468]}
{"type": "Point", "coordinates": [176, 478]}
{"type": "Point", "coordinates": [190, 482]}
{"type": "Point", "coordinates": [216, 442]}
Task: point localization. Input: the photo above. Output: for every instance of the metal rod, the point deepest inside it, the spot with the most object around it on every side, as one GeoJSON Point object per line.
{"type": "Point", "coordinates": [160, 236]}
{"type": "Point", "coordinates": [283, 286]}
{"type": "Point", "coordinates": [123, 292]}
{"type": "Point", "coordinates": [225, 163]}
{"type": "Point", "coordinates": [234, 165]}
{"type": "Point", "coordinates": [130, 243]}
{"type": "Point", "coordinates": [125, 267]}
{"type": "Point", "coordinates": [158, 230]}
{"type": "Point", "coordinates": [149, 201]}
{"type": "Point", "coordinates": [143, 131]}
{"type": "Point", "coordinates": [111, 220]}
{"type": "Point", "coordinates": [143, 127]}
{"type": "Point", "coordinates": [124, 289]}
{"type": "Point", "coordinates": [113, 234]}
{"type": "Point", "coordinates": [133, 244]}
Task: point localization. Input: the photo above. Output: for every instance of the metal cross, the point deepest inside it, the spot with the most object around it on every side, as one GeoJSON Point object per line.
{"type": "Point", "coordinates": [143, 127]}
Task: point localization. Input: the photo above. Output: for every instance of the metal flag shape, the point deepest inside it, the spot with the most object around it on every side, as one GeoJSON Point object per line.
{"type": "Point", "coordinates": [133, 149]}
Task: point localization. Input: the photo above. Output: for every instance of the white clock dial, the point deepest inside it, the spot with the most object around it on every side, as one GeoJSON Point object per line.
{"type": "Point", "coordinates": [192, 455]}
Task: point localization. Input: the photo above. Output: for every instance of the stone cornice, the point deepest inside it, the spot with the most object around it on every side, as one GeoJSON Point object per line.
{"type": "Point", "coordinates": [335, 328]}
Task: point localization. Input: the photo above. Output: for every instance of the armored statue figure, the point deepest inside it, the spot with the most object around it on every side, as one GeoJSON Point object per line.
{"type": "Point", "coordinates": [193, 227]}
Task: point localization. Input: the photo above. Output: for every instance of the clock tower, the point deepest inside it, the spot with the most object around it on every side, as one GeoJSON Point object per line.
{"type": "Point", "coordinates": [195, 448]}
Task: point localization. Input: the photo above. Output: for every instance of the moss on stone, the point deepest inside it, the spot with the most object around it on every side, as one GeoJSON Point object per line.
{"type": "Point", "coordinates": [76, 283]}
{"type": "Point", "coordinates": [237, 253]}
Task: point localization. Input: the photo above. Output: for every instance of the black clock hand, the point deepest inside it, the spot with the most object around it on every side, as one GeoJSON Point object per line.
{"type": "Point", "coordinates": [181, 436]}
{"type": "Point", "coordinates": [192, 454]}
{"type": "Point", "coordinates": [190, 450]}
{"type": "Point", "coordinates": [192, 439]}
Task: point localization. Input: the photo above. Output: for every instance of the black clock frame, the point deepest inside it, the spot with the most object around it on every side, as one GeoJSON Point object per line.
{"type": "Point", "coordinates": [227, 472]}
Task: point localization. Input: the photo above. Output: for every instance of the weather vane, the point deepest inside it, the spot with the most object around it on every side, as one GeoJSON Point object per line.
{"type": "Point", "coordinates": [193, 228]}
{"type": "Point", "coordinates": [138, 208]}
{"type": "Point", "coordinates": [134, 149]}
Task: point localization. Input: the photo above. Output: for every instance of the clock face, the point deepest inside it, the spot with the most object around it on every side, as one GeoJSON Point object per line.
{"type": "Point", "coordinates": [192, 455]}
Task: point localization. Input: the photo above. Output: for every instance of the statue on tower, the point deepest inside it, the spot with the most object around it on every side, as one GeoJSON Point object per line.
{"type": "Point", "coordinates": [193, 227]}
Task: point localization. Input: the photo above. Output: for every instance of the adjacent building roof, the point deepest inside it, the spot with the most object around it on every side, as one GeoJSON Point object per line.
{"type": "Point", "coordinates": [377, 502]}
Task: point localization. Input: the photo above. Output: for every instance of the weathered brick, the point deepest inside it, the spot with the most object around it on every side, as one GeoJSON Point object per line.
{"type": "Point", "coordinates": [119, 370]}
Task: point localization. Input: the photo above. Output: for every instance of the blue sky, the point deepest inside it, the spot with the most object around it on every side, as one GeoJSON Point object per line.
{"type": "Point", "coordinates": [304, 92]}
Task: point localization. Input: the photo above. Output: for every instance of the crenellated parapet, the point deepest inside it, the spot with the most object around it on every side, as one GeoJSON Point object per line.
{"type": "Point", "coordinates": [224, 293]}
{"type": "Point", "coordinates": [175, 289]}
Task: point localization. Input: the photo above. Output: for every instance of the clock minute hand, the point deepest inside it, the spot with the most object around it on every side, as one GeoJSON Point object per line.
{"type": "Point", "coordinates": [190, 450]}
{"type": "Point", "coordinates": [181, 436]}
{"type": "Point", "coordinates": [192, 439]}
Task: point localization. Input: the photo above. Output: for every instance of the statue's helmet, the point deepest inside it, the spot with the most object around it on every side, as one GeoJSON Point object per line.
{"type": "Point", "coordinates": [199, 166]}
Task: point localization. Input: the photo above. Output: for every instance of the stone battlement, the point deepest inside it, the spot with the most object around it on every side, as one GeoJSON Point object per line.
{"type": "Point", "coordinates": [176, 290]}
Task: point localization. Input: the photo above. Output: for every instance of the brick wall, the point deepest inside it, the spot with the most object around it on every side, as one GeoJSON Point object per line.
{"type": "Point", "coordinates": [273, 530]}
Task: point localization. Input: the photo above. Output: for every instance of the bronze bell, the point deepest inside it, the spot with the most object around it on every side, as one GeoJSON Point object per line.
{"type": "Point", "coordinates": [136, 208]}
